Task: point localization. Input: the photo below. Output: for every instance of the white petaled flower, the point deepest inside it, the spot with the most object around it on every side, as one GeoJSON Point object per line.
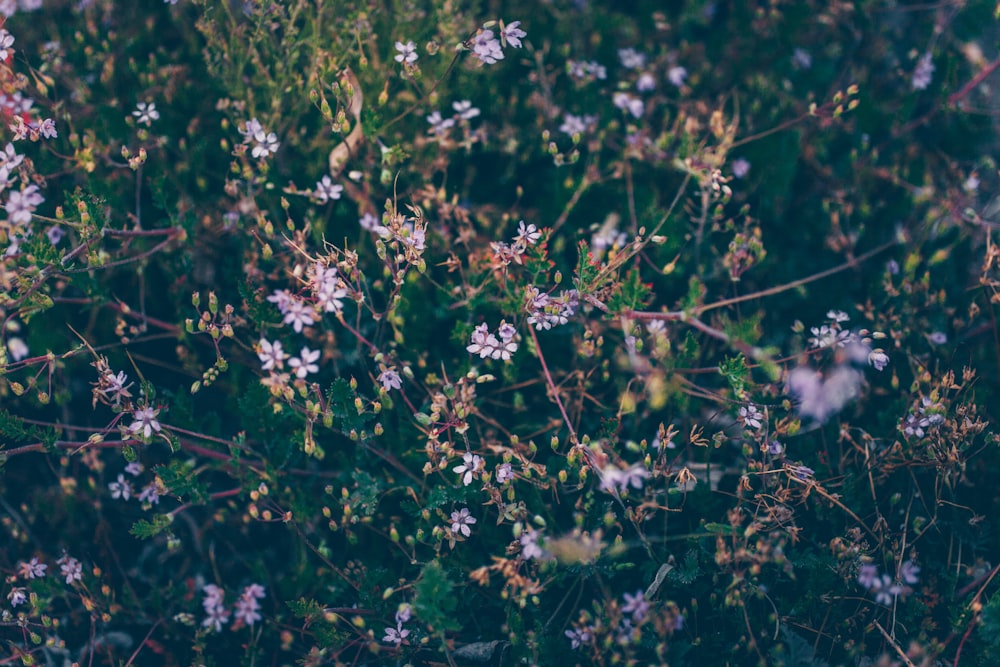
{"type": "Point", "coordinates": [146, 113]}
{"type": "Point", "coordinates": [464, 109]}
{"type": "Point", "coordinates": [9, 158]}
{"type": "Point", "coordinates": [751, 416]}
{"type": "Point", "coordinates": [511, 34]}
{"type": "Point", "coordinates": [646, 83]}
{"type": "Point", "coordinates": [439, 124]}
{"type": "Point", "coordinates": [407, 53]}
{"type": "Point", "coordinates": [487, 47]}
{"type": "Point", "coordinates": [17, 596]}
{"type": "Point", "coordinates": [677, 75]}
{"type": "Point", "coordinates": [145, 422]}
{"type": "Point", "coordinates": [631, 59]}
{"type": "Point", "coordinates": [304, 363]}
{"type": "Point", "coordinates": [34, 569]}
{"type": "Point", "coordinates": [616, 479]}
{"type": "Point", "coordinates": [878, 359]}
{"type": "Point", "coordinates": [6, 41]}
{"type": "Point", "coordinates": [460, 522]}
{"type": "Point", "coordinates": [17, 348]}
{"type": "Point", "coordinates": [21, 204]}
{"type": "Point", "coordinates": [271, 355]}
{"type": "Point", "coordinates": [505, 473]}
{"type": "Point", "coordinates": [150, 494]}
{"type": "Point", "coordinates": [326, 190]}
{"type": "Point", "coordinates": [299, 314]}
{"type": "Point", "coordinates": [265, 144]}
{"type": "Point", "coordinates": [527, 234]}
{"type": "Point", "coordinates": [470, 467]}
{"type": "Point", "coordinates": [70, 568]}
{"type": "Point", "coordinates": [395, 636]}
{"type": "Point", "coordinates": [122, 488]}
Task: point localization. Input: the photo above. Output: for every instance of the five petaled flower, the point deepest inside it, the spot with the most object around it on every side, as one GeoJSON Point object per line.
{"type": "Point", "coordinates": [460, 522]}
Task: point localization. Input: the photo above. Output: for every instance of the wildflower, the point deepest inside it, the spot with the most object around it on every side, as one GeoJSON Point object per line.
{"type": "Point", "coordinates": [803, 472]}
{"type": "Point", "coordinates": [741, 167]}
{"type": "Point", "coordinates": [121, 488]}
{"type": "Point", "coordinates": [22, 203]}
{"type": "Point", "coordinates": [505, 473]}
{"type": "Point", "coordinates": [573, 124]}
{"type": "Point", "coordinates": [303, 364]}
{"type": "Point", "coordinates": [16, 596]}
{"type": "Point", "coordinates": [326, 190]}
{"type": "Point", "coordinates": [530, 547]}
{"type": "Point", "coordinates": [487, 345]}
{"type": "Point", "coordinates": [114, 387]}
{"type": "Point", "coordinates": [801, 59]}
{"type": "Point", "coordinates": [460, 522]}
{"type": "Point", "coordinates": [150, 494]}
{"type": "Point", "coordinates": [6, 41]}
{"type": "Point", "coordinates": [631, 59]}
{"type": "Point", "coordinates": [628, 103]}
{"type": "Point", "coordinates": [908, 572]}
{"type": "Point", "coordinates": [250, 129]}
{"type": "Point", "coordinates": [407, 53]}
{"type": "Point", "coordinates": [750, 416]}
{"type": "Point", "coordinates": [775, 448]}
{"type": "Point", "coordinates": [55, 234]}
{"type": "Point", "coordinates": [145, 421]}
{"type": "Point", "coordinates": [528, 235]}
{"type": "Point", "coordinates": [511, 34]}
{"type": "Point", "coordinates": [487, 48]}
{"type": "Point", "coordinates": [938, 338]}
{"type": "Point", "coordinates": [265, 144]}
{"type": "Point", "coordinates": [868, 576]}
{"type": "Point", "coordinates": [247, 607]}
{"type": "Point", "coordinates": [879, 359]}
{"type": "Point", "coordinates": [636, 605]}
{"type": "Point", "coordinates": [216, 614]}
{"type": "Point", "coordinates": [146, 113]}
{"type": "Point", "coordinates": [546, 311]}
{"type": "Point", "coordinates": [577, 638]}
{"type": "Point", "coordinates": [47, 129]}
{"type": "Point", "coordinates": [464, 109]}
{"type": "Point", "coordinates": [395, 636]}
{"type": "Point", "coordinates": [9, 157]}
{"type": "Point", "coordinates": [838, 316]}
{"type": "Point", "coordinates": [271, 355]}
{"type": "Point", "coordinates": [615, 479]}
{"type": "Point", "coordinates": [439, 125]}
{"type": "Point", "coordinates": [33, 569]}
{"type": "Point", "coordinates": [470, 467]}
{"type": "Point", "coordinates": [826, 336]}
{"type": "Point", "coordinates": [134, 468]}
{"type": "Point", "coordinates": [389, 379]}
{"type": "Point", "coordinates": [299, 315]}
{"type": "Point", "coordinates": [18, 348]}
{"type": "Point", "coordinates": [586, 70]}
{"type": "Point", "coordinates": [924, 72]}
{"type": "Point", "coordinates": [328, 288]}
{"type": "Point", "coordinates": [70, 568]}
{"type": "Point", "coordinates": [677, 75]}
{"type": "Point", "coordinates": [971, 184]}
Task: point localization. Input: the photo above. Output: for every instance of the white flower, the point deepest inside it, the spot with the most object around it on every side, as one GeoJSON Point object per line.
{"type": "Point", "coordinates": [528, 235]}
{"type": "Point", "coordinates": [6, 41]}
{"type": "Point", "coordinates": [460, 522]}
{"type": "Point", "coordinates": [326, 190]}
{"type": "Point", "coordinates": [299, 315]}
{"type": "Point", "coordinates": [271, 355]}
{"type": "Point", "coordinates": [303, 364]}
{"type": "Point", "coordinates": [389, 379]}
{"type": "Point", "coordinates": [407, 53]}
{"type": "Point", "coordinates": [34, 569]}
{"type": "Point", "coordinates": [878, 359]}
{"type": "Point", "coordinates": [121, 488]}
{"type": "Point", "coordinates": [70, 568]}
{"type": "Point", "coordinates": [511, 34]}
{"type": "Point", "coordinates": [677, 75]}
{"type": "Point", "coordinates": [145, 421]}
{"type": "Point", "coordinates": [146, 113]}
{"type": "Point", "coordinates": [265, 144]}
{"type": "Point", "coordinates": [505, 473]}
{"type": "Point", "coordinates": [22, 203]}
{"type": "Point", "coordinates": [469, 468]}
{"type": "Point", "coordinates": [751, 416]}
{"type": "Point", "coordinates": [395, 636]}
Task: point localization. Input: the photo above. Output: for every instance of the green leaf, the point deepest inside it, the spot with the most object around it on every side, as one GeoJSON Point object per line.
{"type": "Point", "coordinates": [145, 529]}
{"type": "Point", "coordinates": [435, 601]}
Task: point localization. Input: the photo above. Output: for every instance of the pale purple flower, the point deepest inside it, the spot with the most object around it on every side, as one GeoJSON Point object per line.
{"type": "Point", "coordinates": [464, 109]}
{"type": "Point", "coordinates": [505, 473]}
{"type": "Point", "coordinates": [577, 638]}
{"type": "Point", "coordinates": [55, 234]}
{"type": "Point", "coordinates": [18, 348]}
{"type": "Point", "coordinates": [299, 314]}
{"type": "Point", "coordinates": [33, 569]}
{"type": "Point", "coordinates": [271, 355]}
{"type": "Point", "coordinates": [460, 522]}
{"type": "Point", "coordinates": [629, 103]}
{"type": "Point", "coordinates": [631, 59]}
{"type": "Point", "coordinates": [389, 379]}
{"type": "Point", "coordinates": [145, 421]}
{"type": "Point", "coordinates": [121, 488]}
{"type": "Point", "coordinates": [868, 576]}
{"type": "Point", "coordinates": [265, 144]}
{"type": "Point", "coordinates": [134, 468]}
{"type": "Point", "coordinates": [512, 34]}
{"type": "Point", "coordinates": [407, 53]}
{"type": "Point", "coordinates": [530, 547]}
{"type": "Point", "coordinates": [395, 636]}
{"type": "Point", "coordinates": [801, 59]}
{"type": "Point", "coordinates": [573, 124]}
{"type": "Point", "coordinates": [304, 364]}
{"type": "Point", "coordinates": [938, 338]}
{"type": "Point", "coordinates": [22, 203]}
{"type": "Point", "coordinates": [439, 125]}
{"type": "Point", "coordinates": [908, 572]}
{"type": "Point", "coordinates": [636, 605]}
{"type": "Point", "coordinates": [150, 494]}
{"type": "Point", "coordinates": [215, 618]}
{"type": "Point", "coordinates": [48, 129]}
{"type": "Point", "coordinates": [615, 479]}
{"type": "Point", "coordinates": [803, 472]}
{"type": "Point", "coordinates": [146, 113]}
{"type": "Point", "coordinates": [879, 359]}
{"type": "Point", "coordinates": [677, 75]}
{"type": "Point", "coordinates": [487, 345]}
{"type": "Point", "coordinates": [741, 167]}
{"type": "Point", "coordinates": [751, 417]}
{"type": "Point", "coordinates": [326, 190]}
{"type": "Point", "coordinates": [487, 47]}
{"type": "Point", "coordinates": [924, 72]}
{"type": "Point", "coordinates": [247, 607]}
{"type": "Point", "coordinates": [775, 448]}
{"type": "Point", "coordinates": [470, 468]}
{"type": "Point", "coordinates": [6, 41]}
{"type": "Point", "coordinates": [250, 129]}
{"type": "Point", "coordinates": [528, 235]}
{"type": "Point", "coordinates": [70, 568]}
{"type": "Point", "coordinates": [646, 83]}
{"type": "Point", "coordinates": [9, 157]}
{"type": "Point", "coordinates": [16, 596]}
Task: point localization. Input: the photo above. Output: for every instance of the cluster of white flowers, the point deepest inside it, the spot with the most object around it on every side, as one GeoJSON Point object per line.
{"type": "Point", "coordinates": [546, 311]}
{"type": "Point", "coordinates": [472, 467]}
{"type": "Point", "coordinates": [464, 111]}
{"type": "Point", "coordinates": [327, 287]}
{"type": "Point", "coordinates": [247, 607]}
{"type": "Point", "coordinates": [264, 143]}
{"type": "Point", "coordinates": [489, 48]}
{"type": "Point", "coordinates": [495, 346]}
